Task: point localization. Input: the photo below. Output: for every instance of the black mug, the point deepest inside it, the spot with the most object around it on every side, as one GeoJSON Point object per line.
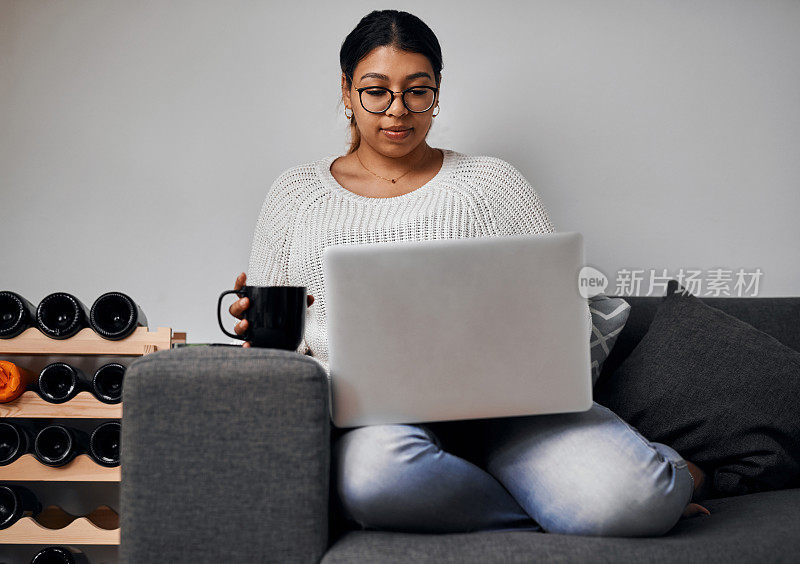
{"type": "Point", "coordinates": [276, 316]}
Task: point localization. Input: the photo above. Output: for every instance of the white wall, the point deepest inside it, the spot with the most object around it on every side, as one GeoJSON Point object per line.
{"type": "Point", "coordinates": [137, 139]}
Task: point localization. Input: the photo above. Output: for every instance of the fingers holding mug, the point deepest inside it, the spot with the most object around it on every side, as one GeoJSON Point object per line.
{"type": "Point", "coordinates": [241, 328]}
{"type": "Point", "coordinates": [238, 307]}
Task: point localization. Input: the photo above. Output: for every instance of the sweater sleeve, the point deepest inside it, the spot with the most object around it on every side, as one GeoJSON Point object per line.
{"type": "Point", "coordinates": [515, 204]}
{"type": "Point", "coordinates": [269, 254]}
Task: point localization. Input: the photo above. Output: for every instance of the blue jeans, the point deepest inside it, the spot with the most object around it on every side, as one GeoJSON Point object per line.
{"type": "Point", "coordinates": [585, 473]}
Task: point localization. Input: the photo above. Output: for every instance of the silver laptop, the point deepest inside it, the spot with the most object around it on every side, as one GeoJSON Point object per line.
{"type": "Point", "coordinates": [454, 329]}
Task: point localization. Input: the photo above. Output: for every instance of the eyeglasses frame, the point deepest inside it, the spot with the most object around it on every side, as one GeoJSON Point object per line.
{"type": "Point", "coordinates": [402, 97]}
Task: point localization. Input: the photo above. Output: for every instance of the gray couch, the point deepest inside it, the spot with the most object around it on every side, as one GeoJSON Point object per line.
{"type": "Point", "coordinates": [226, 458]}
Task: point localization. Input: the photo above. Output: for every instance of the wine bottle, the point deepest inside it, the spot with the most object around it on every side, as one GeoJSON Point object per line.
{"type": "Point", "coordinates": [14, 380]}
{"type": "Point", "coordinates": [16, 314]}
{"type": "Point", "coordinates": [59, 555]}
{"type": "Point", "coordinates": [104, 444]}
{"type": "Point", "coordinates": [60, 382]}
{"type": "Point", "coordinates": [16, 439]}
{"type": "Point", "coordinates": [17, 502]}
{"type": "Point", "coordinates": [60, 315]}
{"type": "Point", "coordinates": [57, 445]}
{"type": "Point", "coordinates": [115, 315]}
{"type": "Point", "coordinates": [107, 382]}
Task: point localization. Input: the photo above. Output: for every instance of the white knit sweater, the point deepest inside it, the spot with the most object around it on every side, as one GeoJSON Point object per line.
{"type": "Point", "coordinates": [306, 210]}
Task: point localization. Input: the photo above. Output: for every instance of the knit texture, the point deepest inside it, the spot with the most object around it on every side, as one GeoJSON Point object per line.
{"type": "Point", "coordinates": [306, 210]}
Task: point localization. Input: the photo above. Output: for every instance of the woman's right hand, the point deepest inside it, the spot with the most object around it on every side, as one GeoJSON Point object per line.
{"type": "Point", "coordinates": [238, 307]}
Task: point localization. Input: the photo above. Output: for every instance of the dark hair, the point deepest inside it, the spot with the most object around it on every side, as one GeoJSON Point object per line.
{"type": "Point", "coordinates": [392, 28]}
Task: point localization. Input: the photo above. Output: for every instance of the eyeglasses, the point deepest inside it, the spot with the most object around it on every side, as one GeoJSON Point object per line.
{"type": "Point", "coordinates": [417, 99]}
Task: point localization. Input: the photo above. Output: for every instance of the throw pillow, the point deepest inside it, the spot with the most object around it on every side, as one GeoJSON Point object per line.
{"type": "Point", "coordinates": [609, 316]}
{"type": "Point", "coordinates": [720, 392]}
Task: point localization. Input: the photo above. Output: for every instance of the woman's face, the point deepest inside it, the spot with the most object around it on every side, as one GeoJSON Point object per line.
{"type": "Point", "coordinates": [397, 71]}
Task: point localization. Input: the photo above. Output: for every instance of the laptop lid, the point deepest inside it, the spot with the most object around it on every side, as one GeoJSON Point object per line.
{"type": "Point", "coordinates": [456, 329]}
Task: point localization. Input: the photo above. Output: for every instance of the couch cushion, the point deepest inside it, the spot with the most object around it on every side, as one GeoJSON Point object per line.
{"type": "Point", "coordinates": [775, 316]}
{"type": "Point", "coordinates": [717, 390]}
{"type": "Point", "coordinates": [756, 527]}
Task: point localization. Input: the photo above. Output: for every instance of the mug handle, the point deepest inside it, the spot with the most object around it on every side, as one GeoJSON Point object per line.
{"type": "Point", "coordinates": [219, 315]}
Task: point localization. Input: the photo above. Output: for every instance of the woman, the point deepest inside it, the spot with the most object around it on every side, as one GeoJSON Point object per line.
{"type": "Point", "coordinates": [583, 473]}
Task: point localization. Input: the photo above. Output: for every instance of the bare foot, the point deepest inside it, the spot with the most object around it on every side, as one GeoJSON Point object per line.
{"type": "Point", "coordinates": [699, 478]}
{"type": "Point", "coordinates": [699, 481]}
{"type": "Point", "coordinates": [694, 509]}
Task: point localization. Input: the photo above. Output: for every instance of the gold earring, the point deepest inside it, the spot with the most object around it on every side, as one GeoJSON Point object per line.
{"type": "Point", "coordinates": [345, 113]}
{"type": "Point", "coordinates": [436, 108]}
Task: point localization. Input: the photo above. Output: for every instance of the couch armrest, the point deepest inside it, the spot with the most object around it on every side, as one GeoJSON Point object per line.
{"type": "Point", "coordinates": [225, 457]}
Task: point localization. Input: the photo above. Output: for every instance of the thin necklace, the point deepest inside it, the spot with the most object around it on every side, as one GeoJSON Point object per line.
{"type": "Point", "coordinates": [392, 180]}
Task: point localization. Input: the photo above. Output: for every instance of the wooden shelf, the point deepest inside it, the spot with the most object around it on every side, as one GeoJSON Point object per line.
{"type": "Point", "coordinates": [81, 469]}
{"type": "Point", "coordinates": [87, 342]}
{"type": "Point", "coordinates": [83, 406]}
{"type": "Point", "coordinates": [81, 531]}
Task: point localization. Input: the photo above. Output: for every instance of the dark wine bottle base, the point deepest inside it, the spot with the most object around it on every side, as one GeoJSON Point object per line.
{"type": "Point", "coordinates": [114, 316]}
{"type": "Point", "coordinates": [61, 315]}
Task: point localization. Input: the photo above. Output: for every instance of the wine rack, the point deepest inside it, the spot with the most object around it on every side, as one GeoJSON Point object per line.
{"type": "Point", "coordinates": [66, 529]}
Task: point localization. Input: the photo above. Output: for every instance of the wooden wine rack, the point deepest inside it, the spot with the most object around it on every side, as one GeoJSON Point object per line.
{"type": "Point", "coordinates": [81, 531]}
{"type": "Point", "coordinates": [32, 342]}
{"type": "Point", "coordinates": [82, 469]}
{"type": "Point", "coordinates": [86, 341]}
{"type": "Point", "coordinates": [83, 406]}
